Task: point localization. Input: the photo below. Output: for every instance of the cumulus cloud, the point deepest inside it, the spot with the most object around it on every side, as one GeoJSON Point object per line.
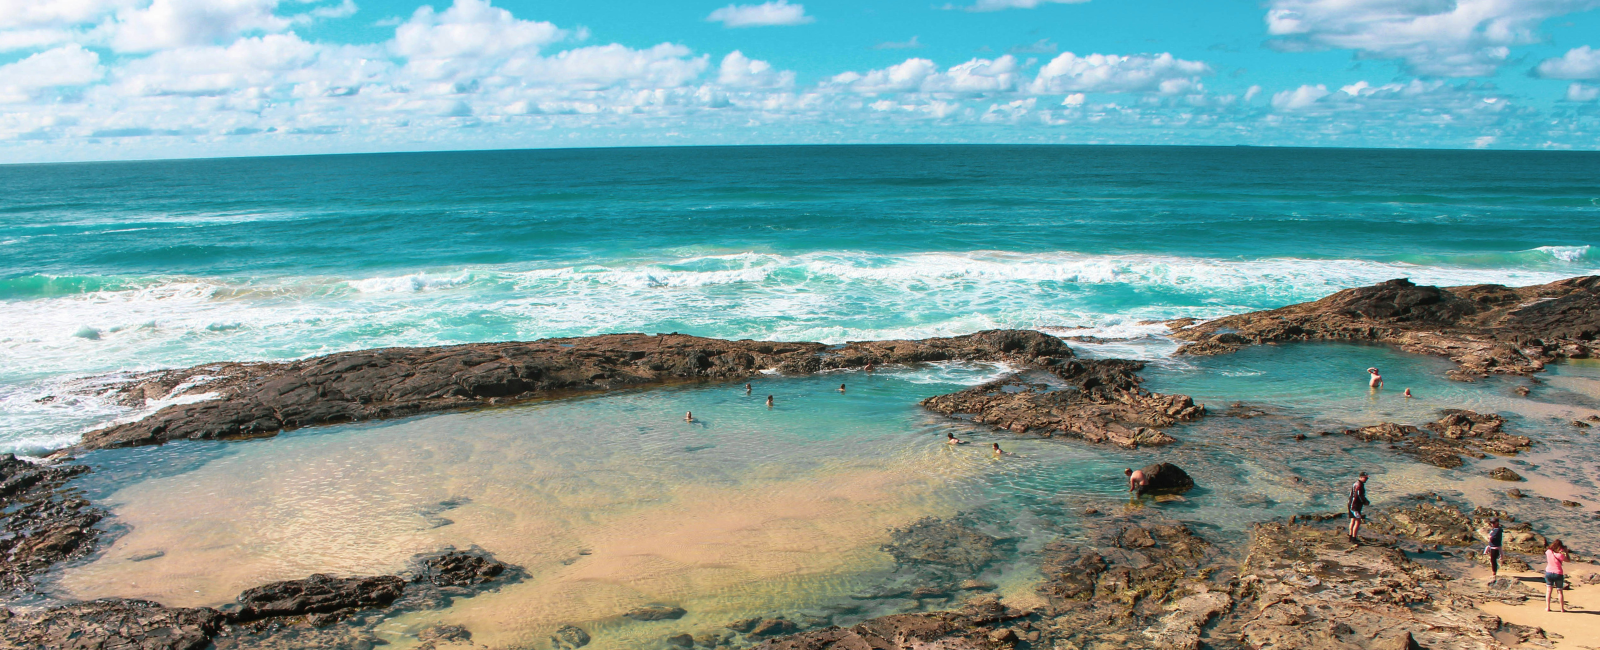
{"type": "Point", "coordinates": [1577, 63]}
{"type": "Point", "coordinates": [470, 29]}
{"type": "Point", "coordinates": [1103, 73]}
{"type": "Point", "coordinates": [1456, 38]}
{"type": "Point", "coordinates": [740, 71]}
{"type": "Point", "coordinates": [178, 23]}
{"type": "Point", "coordinates": [923, 75]}
{"type": "Point", "coordinates": [70, 65]}
{"type": "Point", "coordinates": [39, 13]}
{"type": "Point", "coordinates": [1001, 5]}
{"type": "Point", "coordinates": [766, 14]}
{"type": "Point", "coordinates": [1578, 92]}
{"type": "Point", "coordinates": [1299, 98]}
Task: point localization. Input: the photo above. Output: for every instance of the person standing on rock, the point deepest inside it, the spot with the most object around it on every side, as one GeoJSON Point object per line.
{"type": "Point", "coordinates": [1377, 380]}
{"type": "Point", "coordinates": [1555, 576]}
{"type": "Point", "coordinates": [1496, 534]}
{"type": "Point", "coordinates": [1358, 500]}
{"type": "Point", "coordinates": [1136, 480]}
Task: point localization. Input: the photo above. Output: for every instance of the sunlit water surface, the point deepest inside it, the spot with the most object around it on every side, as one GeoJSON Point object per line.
{"type": "Point", "coordinates": [614, 501]}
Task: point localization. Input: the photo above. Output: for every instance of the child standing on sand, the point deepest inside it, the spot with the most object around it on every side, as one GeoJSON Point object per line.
{"type": "Point", "coordinates": [1555, 576]}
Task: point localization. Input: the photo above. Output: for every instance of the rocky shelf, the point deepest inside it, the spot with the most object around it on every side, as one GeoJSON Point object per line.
{"type": "Point", "coordinates": [1485, 328]}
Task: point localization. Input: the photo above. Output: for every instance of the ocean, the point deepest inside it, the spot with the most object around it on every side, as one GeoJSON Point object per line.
{"type": "Point", "coordinates": [613, 501]}
{"type": "Point", "coordinates": [109, 267]}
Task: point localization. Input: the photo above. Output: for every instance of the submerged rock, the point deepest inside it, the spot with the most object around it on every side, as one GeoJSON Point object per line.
{"type": "Point", "coordinates": [1483, 328]}
{"type": "Point", "coordinates": [656, 613]}
{"type": "Point", "coordinates": [1504, 474]}
{"type": "Point", "coordinates": [1441, 443]}
{"type": "Point", "coordinates": [568, 637]}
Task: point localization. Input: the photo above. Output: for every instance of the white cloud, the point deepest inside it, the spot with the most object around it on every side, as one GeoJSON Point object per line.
{"type": "Point", "coordinates": [470, 29]}
{"type": "Point", "coordinates": [1577, 63]}
{"type": "Point", "coordinates": [1251, 93]}
{"type": "Point", "coordinates": [606, 66]}
{"type": "Point", "coordinates": [1578, 92]}
{"type": "Point", "coordinates": [178, 23]}
{"type": "Point", "coordinates": [1001, 5]}
{"type": "Point", "coordinates": [69, 65]}
{"type": "Point", "coordinates": [766, 14]}
{"type": "Point", "coordinates": [1434, 37]}
{"type": "Point", "coordinates": [1302, 97]}
{"type": "Point", "coordinates": [57, 13]}
{"type": "Point", "coordinates": [740, 71]}
{"type": "Point", "coordinates": [1075, 99]}
{"type": "Point", "coordinates": [1099, 73]}
{"type": "Point", "coordinates": [922, 75]}
{"type": "Point", "coordinates": [27, 39]}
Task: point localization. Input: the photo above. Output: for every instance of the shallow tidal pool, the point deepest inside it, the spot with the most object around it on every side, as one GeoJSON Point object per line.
{"type": "Point", "coordinates": [612, 502]}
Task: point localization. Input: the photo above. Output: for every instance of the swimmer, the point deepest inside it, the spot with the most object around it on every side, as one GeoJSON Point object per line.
{"type": "Point", "coordinates": [869, 366]}
{"type": "Point", "coordinates": [951, 439]}
{"type": "Point", "coordinates": [769, 401]}
{"type": "Point", "coordinates": [841, 388]}
{"type": "Point", "coordinates": [998, 452]}
{"type": "Point", "coordinates": [1377, 379]}
{"type": "Point", "coordinates": [688, 416]}
{"type": "Point", "coordinates": [1408, 393]}
{"type": "Point", "coordinates": [1136, 480]}
{"type": "Point", "coordinates": [747, 389]}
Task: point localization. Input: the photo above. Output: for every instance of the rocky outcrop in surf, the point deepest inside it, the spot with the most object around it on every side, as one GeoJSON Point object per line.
{"type": "Point", "coordinates": [1486, 328]}
{"type": "Point", "coordinates": [251, 400]}
{"type": "Point", "coordinates": [1101, 401]}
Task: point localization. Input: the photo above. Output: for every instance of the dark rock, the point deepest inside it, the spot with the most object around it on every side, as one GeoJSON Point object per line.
{"type": "Point", "coordinates": [1571, 504]}
{"type": "Point", "coordinates": [1166, 478]}
{"type": "Point", "coordinates": [772, 627]}
{"type": "Point", "coordinates": [1102, 402]}
{"type": "Point", "coordinates": [1504, 474]}
{"type": "Point", "coordinates": [1514, 493]}
{"type": "Point", "coordinates": [1580, 424]}
{"type": "Point", "coordinates": [446, 633]}
{"type": "Point", "coordinates": [112, 623]}
{"type": "Point", "coordinates": [318, 594]}
{"type": "Point", "coordinates": [681, 641]}
{"type": "Point", "coordinates": [656, 613]}
{"type": "Point", "coordinates": [260, 399]}
{"type": "Point", "coordinates": [1406, 642]}
{"type": "Point", "coordinates": [1483, 328]}
{"type": "Point", "coordinates": [460, 568]}
{"type": "Point", "coordinates": [41, 521]}
{"type": "Point", "coordinates": [1441, 443]}
{"type": "Point", "coordinates": [744, 625]}
{"type": "Point", "coordinates": [568, 637]}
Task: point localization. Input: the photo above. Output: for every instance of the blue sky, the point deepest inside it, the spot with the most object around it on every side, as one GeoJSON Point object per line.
{"type": "Point", "coordinates": [115, 79]}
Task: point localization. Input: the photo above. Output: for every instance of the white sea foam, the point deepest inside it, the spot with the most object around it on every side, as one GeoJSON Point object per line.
{"type": "Point", "coordinates": [1566, 253]}
{"type": "Point", "coordinates": [827, 296]}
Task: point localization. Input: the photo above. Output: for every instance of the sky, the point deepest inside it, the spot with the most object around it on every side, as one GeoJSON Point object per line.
{"type": "Point", "coordinates": [138, 79]}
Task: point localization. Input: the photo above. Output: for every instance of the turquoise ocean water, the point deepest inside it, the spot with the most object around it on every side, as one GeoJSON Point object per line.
{"type": "Point", "coordinates": [110, 267]}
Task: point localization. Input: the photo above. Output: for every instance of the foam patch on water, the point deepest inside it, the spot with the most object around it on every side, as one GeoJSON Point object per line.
{"type": "Point", "coordinates": [1566, 253]}
{"type": "Point", "coordinates": [78, 326]}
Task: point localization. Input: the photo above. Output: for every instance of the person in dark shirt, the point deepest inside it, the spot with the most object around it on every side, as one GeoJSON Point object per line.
{"type": "Point", "coordinates": [1358, 500]}
{"type": "Point", "coordinates": [1493, 549]}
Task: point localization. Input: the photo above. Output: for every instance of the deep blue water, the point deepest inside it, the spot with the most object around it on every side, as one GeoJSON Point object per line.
{"type": "Point", "coordinates": [110, 267]}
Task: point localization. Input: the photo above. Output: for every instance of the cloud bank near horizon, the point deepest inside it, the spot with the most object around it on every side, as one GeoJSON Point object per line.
{"type": "Point", "coordinates": [153, 78]}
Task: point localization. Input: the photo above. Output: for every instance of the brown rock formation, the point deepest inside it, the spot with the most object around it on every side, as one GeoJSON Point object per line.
{"type": "Point", "coordinates": [260, 399]}
{"type": "Point", "coordinates": [1441, 443]}
{"type": "Point", "coordinates": [1102, 402]}
{"type": "Point", "coordinates": [41, 522]}
{"type": "Point", "coordinates": [1484, 328]}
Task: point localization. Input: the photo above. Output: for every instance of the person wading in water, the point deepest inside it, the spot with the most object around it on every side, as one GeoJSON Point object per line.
{"type": "Point", "coordinates": [1358, 500]}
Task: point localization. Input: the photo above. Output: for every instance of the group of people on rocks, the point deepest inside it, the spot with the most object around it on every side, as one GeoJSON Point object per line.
{"type": "Point", "coordinates": [1555, 554]}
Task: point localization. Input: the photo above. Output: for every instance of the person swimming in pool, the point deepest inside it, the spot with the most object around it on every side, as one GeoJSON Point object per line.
{"type": "Point", "coordinates": [869, 366]}
{"type": "Point", "coordinates": [688, 416]}
{"type": "Point", "coordinates": [998, 452]}
{"type": "Point", "coordinates": [841, 388]}
{"type": "Point", "coordinates": [1377, 380]}
{"type": "Point", "coordinates": [747, 389]}
{"type": "Point", "coordinates": [951, 439]}
{"type": "Point", "coordinates": [769, 401]}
